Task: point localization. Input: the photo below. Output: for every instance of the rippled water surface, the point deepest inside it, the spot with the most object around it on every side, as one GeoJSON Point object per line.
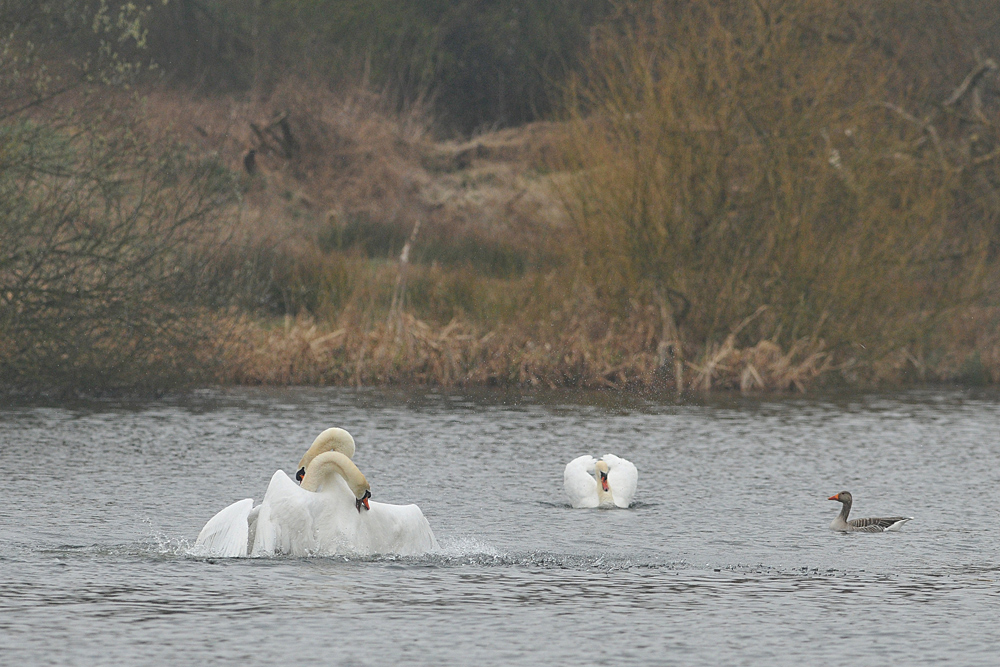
{"type": "Point", "coordinates": [725, 559]}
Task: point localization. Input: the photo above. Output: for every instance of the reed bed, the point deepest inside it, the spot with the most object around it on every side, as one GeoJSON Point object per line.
{"type": "Point", "coordinates": [413, 352]}
{"type": "Point", "coordinates": [722, 207]}
{"type": "Point", "coordinates": [727, 164]}
{"type": "Point", "coordinates": [578, 306]}
{"type": "Point", "coordinates": [573, 351]}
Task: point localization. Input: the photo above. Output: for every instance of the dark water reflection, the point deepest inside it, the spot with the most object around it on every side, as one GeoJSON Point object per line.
{"type": "Point", "coordinates": [725, 559]}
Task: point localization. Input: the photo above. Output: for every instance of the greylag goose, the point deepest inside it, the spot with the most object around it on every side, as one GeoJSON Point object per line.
{"type": "Point", "coordinates": [873, 525]}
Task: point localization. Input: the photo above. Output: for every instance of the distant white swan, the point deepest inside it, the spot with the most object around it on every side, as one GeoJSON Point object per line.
{"type": "Point", "coordinates": [331, 514]}
{"type": "Point", "coordinates": [231, 532]}
{"type": "Point", "coordinates": [609, 482]}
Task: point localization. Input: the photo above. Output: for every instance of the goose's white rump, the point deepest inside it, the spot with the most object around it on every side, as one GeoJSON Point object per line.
{"type": "Point", "coordinates": [582, 480]}
{"type": "Point", "coordinates": [299, 522]}
{"type": "Point", "coordinates": [870, 525]}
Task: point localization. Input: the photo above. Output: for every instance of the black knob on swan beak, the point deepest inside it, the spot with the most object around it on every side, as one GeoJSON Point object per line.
{"type": "Point", "coordinates": [300, 474]}
{"type": "Point", "coordinates": [363, 500]}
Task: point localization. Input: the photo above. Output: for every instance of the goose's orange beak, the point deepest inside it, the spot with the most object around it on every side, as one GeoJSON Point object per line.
{"type": "Point", "coordinates": [836, 497]}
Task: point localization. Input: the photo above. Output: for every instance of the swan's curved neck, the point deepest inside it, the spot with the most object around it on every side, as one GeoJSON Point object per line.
{"type": "Point", "coordinates": [328, 464]}
{"type": "Point", "coordinates": [330, 440]}
{"type": "Point", "coordinates": [603, 497]}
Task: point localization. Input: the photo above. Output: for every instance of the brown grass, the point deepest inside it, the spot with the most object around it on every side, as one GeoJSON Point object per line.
{"type": "Point", "coordinates": [575, 351]}
{"type": "Point", "coordinates": [728, 165]}
{"type": "Point", "coordinates": [751, 197]}
{"type": "Point", "coordinates": [570, 318]}
{"type": "Point", "coordinates": [354, 159]}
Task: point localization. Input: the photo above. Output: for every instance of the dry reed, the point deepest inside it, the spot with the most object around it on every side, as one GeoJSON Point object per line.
{"type": "Point", "coordinates": [453, 325]}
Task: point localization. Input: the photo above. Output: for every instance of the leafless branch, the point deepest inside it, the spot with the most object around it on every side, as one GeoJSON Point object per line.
{"type": "Point", "coordinates": [971, 81]}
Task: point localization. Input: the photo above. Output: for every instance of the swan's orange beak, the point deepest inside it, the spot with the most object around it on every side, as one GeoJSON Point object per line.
{"type": "Point", "coordinates": [604, 480]}
{"type": "Point", "coordinates": [363, 500]}
{"type": "Point", "coordinates": [300, 474]}
{"type": "Point", "coordinates": [836, 497]}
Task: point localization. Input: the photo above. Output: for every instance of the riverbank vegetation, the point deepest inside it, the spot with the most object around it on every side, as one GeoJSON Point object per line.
{"type": "Point", "coordinates": [670, 196]}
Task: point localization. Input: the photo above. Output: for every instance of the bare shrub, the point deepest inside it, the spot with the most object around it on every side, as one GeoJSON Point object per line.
{"type": "Point", "coordinates": [105, 243]}
{"type": "Point", "coordinates": [730, 157]}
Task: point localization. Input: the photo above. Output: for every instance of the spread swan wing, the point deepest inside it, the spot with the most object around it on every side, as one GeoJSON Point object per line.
{"type": "Point", "coordinates": [579, 482]}
{"type": "Point", "coordinates": [227, 533]}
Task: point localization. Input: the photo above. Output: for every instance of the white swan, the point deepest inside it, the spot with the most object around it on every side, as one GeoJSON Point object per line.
{"type": "Point", "coordinates": [324, 516]}
{"type": "Point", "coordinates": [330, 440]}
{"type": "Point", "coordinates": [231, 532]}
{"type": "Point", "coordinates": [609, 482]}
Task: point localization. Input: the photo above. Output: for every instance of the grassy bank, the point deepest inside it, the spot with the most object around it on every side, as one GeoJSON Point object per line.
{"type": "Point", "coordinates": [495, 292]}
{"type": "Point", "coordinates": [719, 205]}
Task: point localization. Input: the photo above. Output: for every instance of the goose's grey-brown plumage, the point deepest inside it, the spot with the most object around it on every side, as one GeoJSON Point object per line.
{"type": "Point", "coordinates": [872, 525]}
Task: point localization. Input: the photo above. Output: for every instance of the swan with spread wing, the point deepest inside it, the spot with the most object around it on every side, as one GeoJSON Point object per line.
{"type": "Point", "coordinates": [330, 513]}
{"type": "Point", "coordinates": [231, 532]}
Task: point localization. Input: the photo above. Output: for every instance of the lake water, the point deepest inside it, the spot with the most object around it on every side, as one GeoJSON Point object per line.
{"type": "Point", "coordinates": [725, 558]}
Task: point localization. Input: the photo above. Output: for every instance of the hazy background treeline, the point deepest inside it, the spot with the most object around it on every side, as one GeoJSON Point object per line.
{"type": "Point", "coordinates": [477, 63]}
{"type": "Point", "coordinates": [665, 194]}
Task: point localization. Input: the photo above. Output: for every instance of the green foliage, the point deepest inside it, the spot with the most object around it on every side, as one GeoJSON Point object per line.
{"type": "Point", "coordinates": [50, 47]}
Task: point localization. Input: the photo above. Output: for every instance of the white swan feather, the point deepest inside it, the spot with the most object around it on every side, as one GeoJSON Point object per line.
{"type": "Point", "coordinates": [232, 531]}
{"type": "Point", "coordinates": [322, 517]}
{"type": "Point", "coordinates": [581, 481]}
{"type": "Point", "coordinates": [227, 533]}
